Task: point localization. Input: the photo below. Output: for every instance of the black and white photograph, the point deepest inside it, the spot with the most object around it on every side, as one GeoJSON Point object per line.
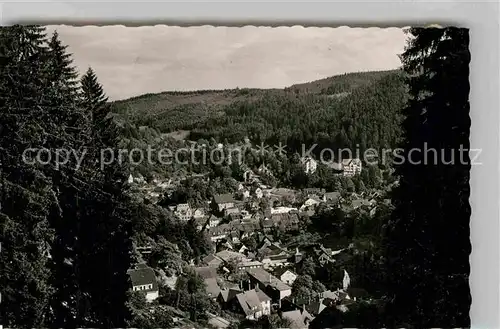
{"type": "Point", "coordinates": [227, 177]}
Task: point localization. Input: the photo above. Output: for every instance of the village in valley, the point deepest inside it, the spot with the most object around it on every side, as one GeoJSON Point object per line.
{"type": "Point", "coordinates": [212, 177]}
{"type": "Point", "coordinates": [272, 254]}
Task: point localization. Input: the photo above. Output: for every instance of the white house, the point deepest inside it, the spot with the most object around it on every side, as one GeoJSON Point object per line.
{"type": "Point", "coordinates": [310, 165]}
{"type": "Point", "coordinates": [351, 167]}
{"type": "Point", "coordinates": [144, 280]}
{"type": "Point", "coordinates": [258, 193]}
{"type": "Point", "coordinates": [213, 221]}
{"type": "Point", "coordinates": [286, 275]}
{"type": "Point", "coordinates": [130, 179]}
{"type": "Point", "coordinates": [254, 303]}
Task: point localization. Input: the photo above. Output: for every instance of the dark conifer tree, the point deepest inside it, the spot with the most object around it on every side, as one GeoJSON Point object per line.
{"type": "Point", "coordinates": [106, 230]}
{"type": "Point", "coordinates": [61, 71]}
{"type": "Point", "coordinates": [26, 191]}
{"type": "Point", "coordinates": [95, 102]}
{"type": "Point", "coordinates": [93, 96]}
{"type": "Point", "coordinates": [428, 237]}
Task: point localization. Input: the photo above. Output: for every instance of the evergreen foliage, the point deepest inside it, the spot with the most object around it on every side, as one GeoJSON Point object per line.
{"type": "Point", "coordinates": [428, 242]}
{"type": "Point", "coordinates": [66, 233]}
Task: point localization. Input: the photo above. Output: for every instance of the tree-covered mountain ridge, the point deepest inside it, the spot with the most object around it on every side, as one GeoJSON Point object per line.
{"type": "Point", "coordinates": [205, 112]}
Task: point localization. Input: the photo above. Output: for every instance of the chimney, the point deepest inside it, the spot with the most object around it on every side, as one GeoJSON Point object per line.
{"type": "Point", "coordinates": [270, 277]}
{"type": "Point", "coordinates": [303, 308]}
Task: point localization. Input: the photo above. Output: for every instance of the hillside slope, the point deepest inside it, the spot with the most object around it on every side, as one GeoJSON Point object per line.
{"type": "Point", "coordinates": [367, 115]}
{"type": "Point", "coordinates": [170, 111]}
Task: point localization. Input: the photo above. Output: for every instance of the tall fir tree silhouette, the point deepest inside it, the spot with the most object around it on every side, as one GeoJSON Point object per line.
{"type": "Point", "coordinates": [108, 215]}
{"type": "Point", "coordinates": [93, 96]}
{"type": "Point", "coordinates": [94, 100]}
{"type": "Point", "coordinates": [25, 189]}
{"type": "Point", "coordinates": [428, 242]}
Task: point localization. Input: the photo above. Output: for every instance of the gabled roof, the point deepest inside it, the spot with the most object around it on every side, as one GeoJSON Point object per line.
{"type": "Point", "coordinates": [316, 307]}
{"type": "Point", "coordinates": [227, 255]}
{"type": "Point", "coordinates": [282, 270]}
{"type": "Point", "coordinates": [211, 259]}
{"type": "Point", "coordinates": [267, 279]}
{"type": "Point", "coordinates": [346, 162]}
{"type": "Point", "coordinates": [262, 296]}
{"type": "Point", "coordinates": [143, 276]}
{"type": "Point", "coordinates": [214, 218]}
{"type": "Point", "coordinates": [212, 287]}
{"type": "Point", "coordinates": [299, 318]}
{"type": "Point", "coordinates": [250, 301]}
{"type": "Point", "coordinates": [337, 295]}
{"type": "Point", "coordinates": [313, 198]}
{"type": "Point", "coordinates": [228, 294]}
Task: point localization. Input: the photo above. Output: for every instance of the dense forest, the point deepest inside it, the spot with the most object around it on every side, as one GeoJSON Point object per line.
{"type": "Point", "coordinates": [357, 110]}
{"type": "Point", "coordinates": [364, 112]}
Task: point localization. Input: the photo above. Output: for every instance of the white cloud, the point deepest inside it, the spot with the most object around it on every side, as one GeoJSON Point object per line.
{"type": "Point", "coordinates": [130, 61]}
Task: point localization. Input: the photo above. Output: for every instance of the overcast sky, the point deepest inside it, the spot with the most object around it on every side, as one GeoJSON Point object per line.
{"type": "Point", "coordinates": [131, 61]}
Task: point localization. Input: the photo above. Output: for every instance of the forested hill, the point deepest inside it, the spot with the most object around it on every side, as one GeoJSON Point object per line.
{"type": "Point", "coordinates": [341, 111]}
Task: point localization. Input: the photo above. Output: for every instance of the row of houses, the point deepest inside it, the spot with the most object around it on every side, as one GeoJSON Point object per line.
{"type": "Point", "coordinates": [267, 285]}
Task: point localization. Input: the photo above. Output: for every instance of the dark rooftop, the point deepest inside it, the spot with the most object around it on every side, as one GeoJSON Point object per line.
{"type": "Point", "coordinates": [143, 276]}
